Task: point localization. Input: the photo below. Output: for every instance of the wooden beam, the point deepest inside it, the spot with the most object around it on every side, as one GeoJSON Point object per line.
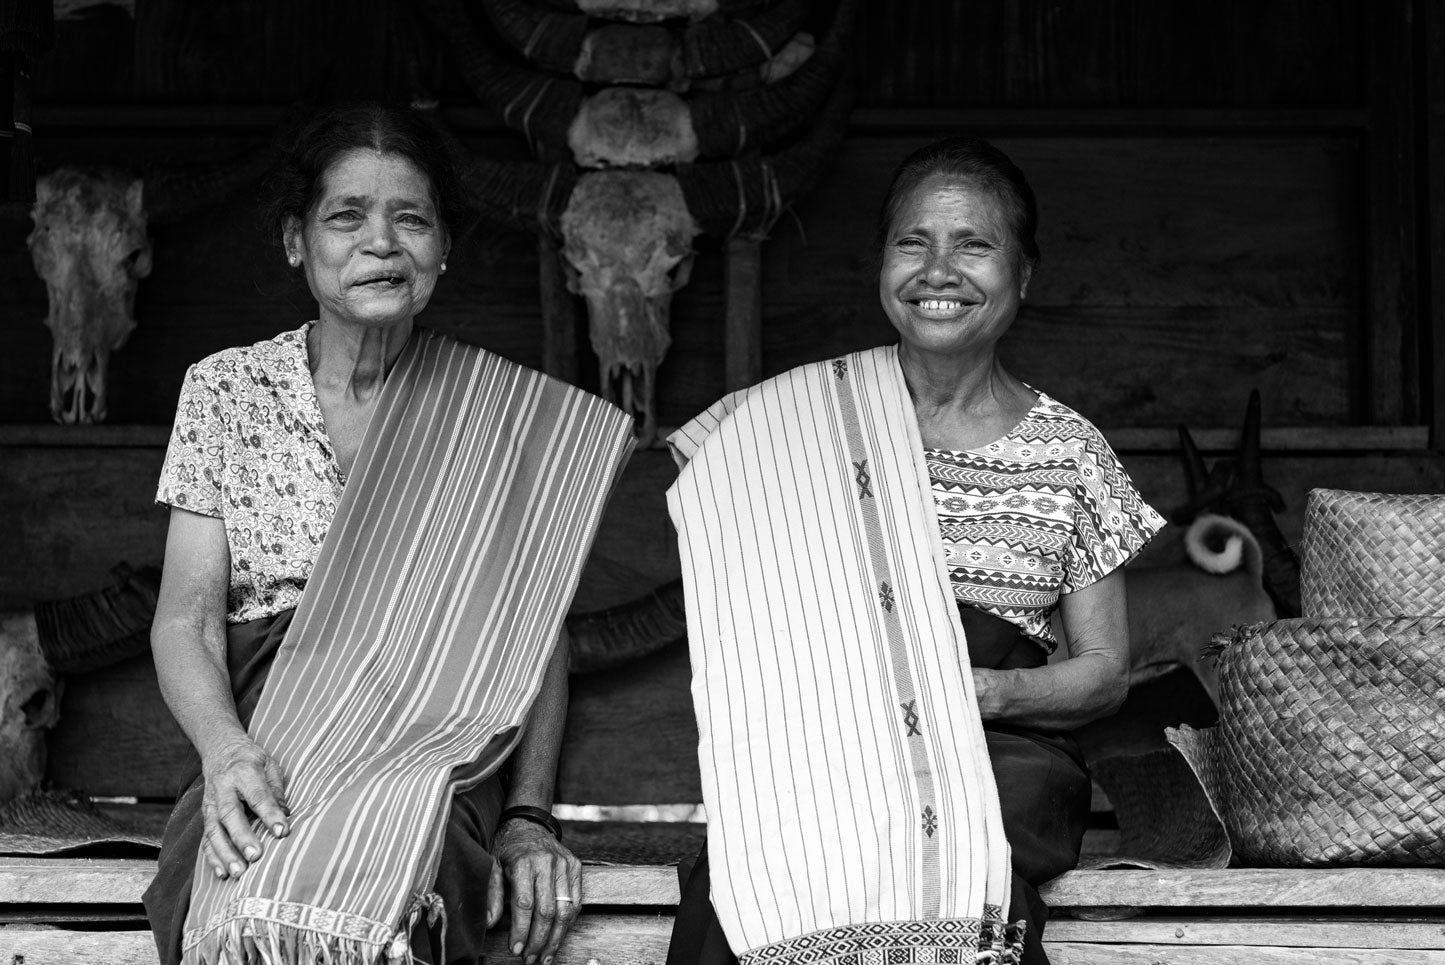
{"type": "Point", "coordinates": [743, 308]}
{"type": "Point", "coordinates": [1433, 30]}
{"type": "Point", "coordinates": [1297, 931]}
{"type": "Point", "coordinates": [1392, 373]}
{"type": "Point", "coordinates": [55, 120]}
{"type": "Point", "coordinates": [559, 314]}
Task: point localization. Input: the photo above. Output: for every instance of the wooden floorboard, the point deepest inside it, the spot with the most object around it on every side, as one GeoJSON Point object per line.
{"type": "Point", "coordinates": [1304, 931]}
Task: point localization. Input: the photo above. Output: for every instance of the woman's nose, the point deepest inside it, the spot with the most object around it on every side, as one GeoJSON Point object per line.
{"type": "Point", "coordinates": [941, 266]}
{"type": "Point", "coordinates": [380, 237]}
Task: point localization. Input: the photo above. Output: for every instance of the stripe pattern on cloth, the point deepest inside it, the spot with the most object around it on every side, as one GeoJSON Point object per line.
{"type": "Point", "coordinates": [417, 649]}
{"type": "Point", "coordinates": [843, 761]}
{"type": "Point", "coordinates": [1047, 509]}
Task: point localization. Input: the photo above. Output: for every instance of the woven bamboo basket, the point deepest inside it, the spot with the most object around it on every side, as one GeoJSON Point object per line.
{"type": "Point", "coordinates": [1329, 748]}
{"type": "Point", "coordinates": [1372, 555]}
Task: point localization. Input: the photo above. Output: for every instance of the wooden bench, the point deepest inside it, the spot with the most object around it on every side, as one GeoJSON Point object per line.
{"type": "Point", "coordinates": [631, 740]}
{"type": "Point", "coordinates": [58, 910]}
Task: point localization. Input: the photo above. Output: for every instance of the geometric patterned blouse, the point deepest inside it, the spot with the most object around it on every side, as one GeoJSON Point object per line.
{"type": "Point", "coordinates": [1045, 510]}
{"type": "Point", "coordinates": [250, 447]}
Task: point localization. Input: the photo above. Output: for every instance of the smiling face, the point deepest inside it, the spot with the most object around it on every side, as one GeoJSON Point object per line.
{"type": "Point", "coordinates": [373, 244]}
{"type": "Point", "coordinates": [953, 273]}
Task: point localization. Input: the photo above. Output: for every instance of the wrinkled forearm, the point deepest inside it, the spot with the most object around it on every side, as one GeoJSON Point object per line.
{"type": "Point", "coordinates": [1060, 696]}
{"type": "Point", "coordinates": [194, 681]}
{"type": "Point", "coordinates": [534, 763]}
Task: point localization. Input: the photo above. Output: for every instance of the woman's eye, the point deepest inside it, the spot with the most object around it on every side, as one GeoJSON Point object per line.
{"type": "Point", "coordinates": [911, 246]}
{"type": "Point", "coordinates": [976, 245]}
{"type": "Point", "coordinates": [344, 216]}
{"type": "Point", "coordinates": [414, 221]}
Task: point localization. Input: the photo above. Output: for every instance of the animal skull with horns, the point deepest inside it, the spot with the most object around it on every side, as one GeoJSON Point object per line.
{"type": "Point", "coordinates": [90, 246]}
{"type": "Point", "coordinates": [651, 167]}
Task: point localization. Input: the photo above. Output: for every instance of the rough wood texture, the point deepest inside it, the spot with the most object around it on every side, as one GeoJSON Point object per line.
{"type": "Point", "coordinates": [635, 940]}
{"type": "Point", "coordinates": [1299, 931]}
{"type": "Point", "coordinates": [560, 315]}
{"type": "Point", "coordinates": [1432, 24]}
{"type": "Point", "coordinates": [1255, 887]}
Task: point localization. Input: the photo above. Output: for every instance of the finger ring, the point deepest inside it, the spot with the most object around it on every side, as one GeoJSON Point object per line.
{"type": "Point", "coordinates": [565, 898]}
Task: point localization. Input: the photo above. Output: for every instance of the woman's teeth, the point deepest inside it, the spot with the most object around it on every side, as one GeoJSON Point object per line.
{"type": "Point", "coordinates": [939, 305]}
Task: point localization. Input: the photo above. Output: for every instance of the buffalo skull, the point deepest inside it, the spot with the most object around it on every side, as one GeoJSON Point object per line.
{"type": "Point", "coordinates": [628, 246]}
{"type": "Point", "coordinates": [29, 705]}
{"type": "Point", "coordinates": [89, 244]}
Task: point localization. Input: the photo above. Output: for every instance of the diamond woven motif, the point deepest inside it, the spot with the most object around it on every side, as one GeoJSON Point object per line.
{"type": "Point", "coordinates": [885, 596]}
{"type": "Point", "coordinates": [930, 820]}
{"type": "Point", "coordinates": [863, 479]}
{"type": "Point", "coordinates": [910, 717]}
{"type": "Point", "coordinates": [840, 367]}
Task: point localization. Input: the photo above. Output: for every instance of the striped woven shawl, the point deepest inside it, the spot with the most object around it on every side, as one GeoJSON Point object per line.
{"type": "Point", "coordinates": [851, 805]}
{"type": "Point", "coordinates": [417, 649]}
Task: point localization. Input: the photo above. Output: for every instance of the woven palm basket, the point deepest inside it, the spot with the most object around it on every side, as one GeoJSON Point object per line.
{"type": "Point", "coordinates": [1329, 748]}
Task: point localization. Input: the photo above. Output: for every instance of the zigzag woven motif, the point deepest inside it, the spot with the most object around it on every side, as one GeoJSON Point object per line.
{"type": "Point", "coordinates": [1043, 510]}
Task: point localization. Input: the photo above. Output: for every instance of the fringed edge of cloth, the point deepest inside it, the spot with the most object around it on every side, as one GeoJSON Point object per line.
{"type": "Point", "coordinates": [259, 931]}
{"type": "Point", "coordinates": [962, 941]}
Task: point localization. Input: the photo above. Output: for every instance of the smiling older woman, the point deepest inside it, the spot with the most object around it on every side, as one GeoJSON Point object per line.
{"type": "Point", "coordinates": [874, 548]}
{"type": "Point", "coordinates": [295, 450]}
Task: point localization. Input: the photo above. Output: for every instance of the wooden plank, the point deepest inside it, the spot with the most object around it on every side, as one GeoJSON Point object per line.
{"type": "Point", "coordinates": [1432, 29]}
{"type": "Point", "coordinates": [121, 881]}
{"type": "Point", "coordinates": [1390, 342]}
{"type": "Point", "coordinates": [1080, 953]}
{"type": "Point", "coordinates": [104, 436]}
{"type": "Point", "coordinates": [1253, 887]}
{"type": "Point", "coordinates": [1299, 931]}
{"type": "Point", "coordinates": [637, 940]}
{"type": "Point", "coordinates": [65, 946]}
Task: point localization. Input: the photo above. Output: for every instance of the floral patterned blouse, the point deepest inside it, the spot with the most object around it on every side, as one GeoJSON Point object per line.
{"type": "Point", "coordinates": [1045, 510]}
{"type": "Point", "coordinates": [250, 447]}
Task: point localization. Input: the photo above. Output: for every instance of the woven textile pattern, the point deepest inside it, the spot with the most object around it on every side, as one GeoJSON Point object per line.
{"type": "Point", "coordinates": [417, 649]}
{"type": "Point", "coordinates": [1044, 510]}
{"type": "Point", "coordinates": [1328, 747]}
{"type": "Point", "coordinates": [1373, 555]}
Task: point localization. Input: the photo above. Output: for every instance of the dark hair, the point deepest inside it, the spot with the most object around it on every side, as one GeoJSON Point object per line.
{"type": "Point", "coordinates": [311, 147]}
{"type": "Point", "coordinates": [976, 159]}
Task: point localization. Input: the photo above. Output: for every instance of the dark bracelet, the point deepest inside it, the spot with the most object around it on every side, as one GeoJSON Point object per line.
{"type": "Point", "coordinates": [539, 816]}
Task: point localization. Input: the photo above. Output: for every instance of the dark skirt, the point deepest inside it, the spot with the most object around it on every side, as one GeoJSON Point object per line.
{"type": "Point", "coordinates": [1043, 789]}
{"type": "Point", "coordinates": [466, 862]}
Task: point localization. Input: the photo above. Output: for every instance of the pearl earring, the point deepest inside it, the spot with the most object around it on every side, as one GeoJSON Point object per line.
{"type": "Point", "coordinates": [294, 261]}
{"type": "Point", "coordinates": [444, 268]}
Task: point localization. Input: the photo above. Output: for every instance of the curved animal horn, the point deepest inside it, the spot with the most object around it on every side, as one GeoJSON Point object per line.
{"type": "Point", "coordinates": [1247, 465]}
{"type": "Point", "coordinates": [174, 195]}
{"type": "Point", "coordinates": [619, 635]}
{"type": "Point", "coordinates": [538, 104]}
{"type": "Point", "coordinates": [727, 123]}
{"type": "Point", "coordinates": [716, 45]}
{"type": "Point", "coordinates": [1194, 468]}
{"type": "Point", "coordinates": [652, 11]}
{"type": "Point", "coordinates": [746, 196]}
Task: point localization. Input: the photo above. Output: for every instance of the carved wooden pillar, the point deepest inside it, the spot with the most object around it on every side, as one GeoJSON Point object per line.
{"type": "Point", "coordinates": [743, 333]}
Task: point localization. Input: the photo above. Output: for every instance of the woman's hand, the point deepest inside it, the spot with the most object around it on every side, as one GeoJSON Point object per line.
{"type": "Point", "coordinates": [544, 880]}
{"type": "Point", "coordinates": [240, 777]}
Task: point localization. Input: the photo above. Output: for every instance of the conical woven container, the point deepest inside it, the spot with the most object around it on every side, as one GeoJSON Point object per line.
{"type": "Point", "coordinates": [1331, 742]}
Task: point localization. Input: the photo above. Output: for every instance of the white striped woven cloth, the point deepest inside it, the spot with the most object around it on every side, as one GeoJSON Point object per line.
{"type": "Point", "coordinates": [417, 649]}
{"type": "Point", "coordinates": [852, 813]}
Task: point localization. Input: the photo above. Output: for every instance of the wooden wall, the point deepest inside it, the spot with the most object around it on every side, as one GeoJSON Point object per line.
{"type": "Point", "coordinates": [1234, 195]}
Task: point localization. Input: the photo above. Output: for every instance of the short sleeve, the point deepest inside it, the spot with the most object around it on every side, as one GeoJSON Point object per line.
{"type": "Point", "coordinates": [195, 458]}
{"type": "Point", "coordinates": [688, 439]}
{"type": "Point", "coordinates": [1112, 522]}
